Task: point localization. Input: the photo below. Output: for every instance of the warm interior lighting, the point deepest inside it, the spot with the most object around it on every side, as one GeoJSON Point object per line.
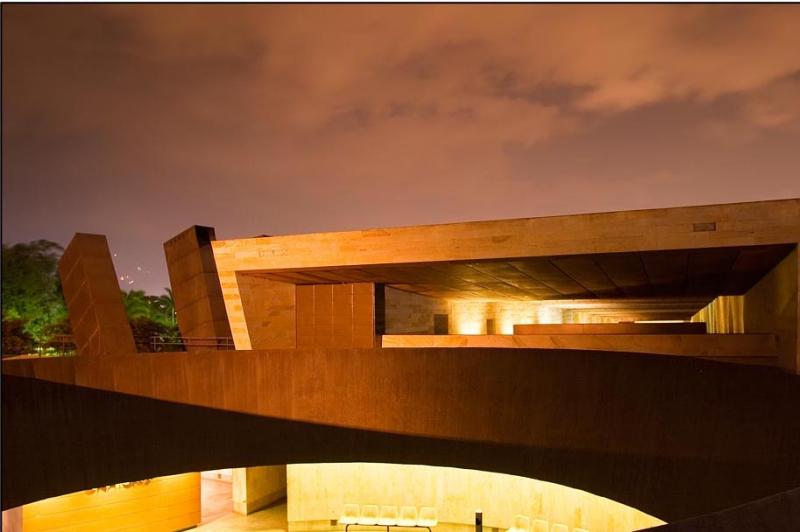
{"type": "Point", "coordinates": [469, 317]}
{"type": "Point", "coordinates": [724, 315]}
{"type": "Point", "coordinates": [166, 503]}
{"type": "Point", "coordinates": [319, 494]}
{"type": "Point", "coordinates": [548, 314]}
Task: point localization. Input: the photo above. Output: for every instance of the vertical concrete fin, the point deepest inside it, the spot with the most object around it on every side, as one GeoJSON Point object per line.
{"type": "Point", "coordinates": [772, 306]}
{"type": "Point", "coordinates": [269, 312]}
{"type": "Point", "coordinates": [340, 315]}
{"type": "Point", "coordinates": [94, 300]}
{"type": "Point", "coordinates": [195, 284]}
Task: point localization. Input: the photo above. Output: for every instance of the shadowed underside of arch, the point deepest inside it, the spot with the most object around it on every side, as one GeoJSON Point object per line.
{"type": "Point", "coordinates": [776, 513]}
{"type": "Point", "coordinates": [674, 438]}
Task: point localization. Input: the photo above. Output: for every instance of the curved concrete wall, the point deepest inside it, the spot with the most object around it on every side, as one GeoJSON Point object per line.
{"type": "Point", "coordinates": [672, 437]}
{"type": "Point", "coordinates": [778, 513]}
{"type": "Point", "coordinates": [317, 494]}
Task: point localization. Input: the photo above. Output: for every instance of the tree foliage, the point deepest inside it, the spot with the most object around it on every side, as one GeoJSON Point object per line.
{"type": "Point", "coordinates": [137, 304]}
{"type": "Point", "coordinates": [31, 288]}
{"type": "Point", "coordinates": [151, 317]}
{"type": "Point", "coordinates": [34, 312]}
{"type": "Point", "coordinates": [159, 309]}
{"type": "Point", "coordinates": [16, 341]}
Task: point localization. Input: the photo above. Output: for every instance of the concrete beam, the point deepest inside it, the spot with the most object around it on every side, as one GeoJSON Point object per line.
{"type": "Point", "coordinates": [736, 224]}
{"type": "Point", "coordinates": [672, 436]}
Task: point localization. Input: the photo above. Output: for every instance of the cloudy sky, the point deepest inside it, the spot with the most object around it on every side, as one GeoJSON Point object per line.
{"type": "Point", "coordinates": [138, 121]}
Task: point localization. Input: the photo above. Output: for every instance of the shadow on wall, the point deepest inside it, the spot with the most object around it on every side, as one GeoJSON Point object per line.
{"type": "Point", "coordinates": [66, 438]}
{"type": "Point", "coordinates": [779, 513]}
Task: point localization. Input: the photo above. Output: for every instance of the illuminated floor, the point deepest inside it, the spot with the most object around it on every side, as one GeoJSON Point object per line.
{"type": "Point", "coordinates": [216, 499]}
{"type": "Point", "coordinates": [272, 519]}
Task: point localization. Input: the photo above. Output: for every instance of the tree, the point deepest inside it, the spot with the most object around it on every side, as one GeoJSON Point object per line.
{"type": "Point", "coordinates": [31, 287]}
{"type": "Point", "coordinates": [137, 304]}
{"type": "Point", "coordinates": [34, 312]}
{"type": "Point", "coordinates": [150, 316]}
{"type": "Point", "coordinates": [164, 308]}
{"type": "Point", "coordinates": [16, 341]}
{"type": "Point", "coordinates": [145, 329]}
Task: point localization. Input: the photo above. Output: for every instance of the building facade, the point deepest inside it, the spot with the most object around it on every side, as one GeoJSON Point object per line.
{"type": "Point", "coordinates": [646, 357]}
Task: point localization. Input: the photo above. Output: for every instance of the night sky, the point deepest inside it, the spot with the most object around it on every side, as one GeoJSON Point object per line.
{"type": "Point", "coordinates": [139, 121]}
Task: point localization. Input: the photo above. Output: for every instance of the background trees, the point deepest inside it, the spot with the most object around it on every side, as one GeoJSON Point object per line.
{"type": "Point", "coordinates": [31, 288]}
{"type": "Point", "coordinates": [34, 312]}
{"type": "Point", "coordinates": [151, 317]}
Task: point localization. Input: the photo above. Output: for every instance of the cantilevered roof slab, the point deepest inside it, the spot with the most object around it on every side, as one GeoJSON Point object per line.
{"type": "Point", "coordinates": [693, 273]}
{"type": "Point", "coordinates": [733, 225]}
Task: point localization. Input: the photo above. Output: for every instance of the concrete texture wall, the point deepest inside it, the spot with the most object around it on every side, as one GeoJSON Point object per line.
{"type": "Point", "coordinates": [671, 436]}
{"type": "Point", "coordinates": [723, 315]}
{"type": "Point", "coordinates": [758, 349]}
{"type": "Point", "coordinates": [276, 315]}
{"type": "Point", "coordinates": [94, 301]}
{"type": "Point", "coordinates": [336, 315]}
{"type": "Point", "coordinates": [317, 494]}
{"type": "Point", "coordinates": [409, 313]}
{"type": "Point", "coordinates": [12, 519]}
{"type": "Point", "coordinates": [257, 487]}
{"type": "Point", "coordinates": [196, 291]}
{"type": "Point", "coordinates": [269, 311]}
{"type": "Point", "coordinates": [161, 503]}
{"type": "Point", "coordinates": [741, 224]}
{"type": "Point", "coordinates": [736, 224]}
{"type": "Point", "coordinates": [772, 306]}
{"type": "Point", "coordinates": [777, 513]}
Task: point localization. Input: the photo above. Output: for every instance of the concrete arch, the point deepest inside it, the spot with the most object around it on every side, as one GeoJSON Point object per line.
{"type": "Point", "coordinates": [671, 442]}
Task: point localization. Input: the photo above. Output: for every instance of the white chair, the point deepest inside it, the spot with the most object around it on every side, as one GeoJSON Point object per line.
{"type": "Point", "coordinates": [369, 515]}
{"type": "Point", "coordinates": [408, 516]}
{"type": "Point", "coordinates": [388, 516]}
{"type": "Point", "coordinates": [540, 525]}
{"type": "Point", "coordinates": [522, 523]}
{"type": "Point", "coordinates": [558, 527]}
{"type": "Point", "coordinates": [349, 515]}
{"type": "Point", "coordinates": [427, 517]}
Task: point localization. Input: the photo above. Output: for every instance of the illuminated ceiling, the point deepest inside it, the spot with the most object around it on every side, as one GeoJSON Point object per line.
{"type": "Point", "coordinates": [658, 274]}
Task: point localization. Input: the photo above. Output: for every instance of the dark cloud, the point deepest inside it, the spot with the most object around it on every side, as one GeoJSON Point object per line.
{"type": "Point", "coordinates": [139, 120]}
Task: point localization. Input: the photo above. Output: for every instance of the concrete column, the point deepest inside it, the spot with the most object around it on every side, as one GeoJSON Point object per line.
{"type": "Point", "coordinates": [196, 289]}
{"type": "Point", "coordinates": [771, 306]}
{"type": "Point", "coordinates": [255, 488]}
{"type": "Point", "coordinates": [269, 312]}
{"type": "Point", "coordinates": [339, 315]}
{"type": "Point", "coordinates": [12, 519]}
{"type": "Point", "coordinates": [94, 300]}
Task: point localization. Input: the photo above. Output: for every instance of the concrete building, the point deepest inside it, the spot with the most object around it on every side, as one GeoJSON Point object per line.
{"type": "Point", "coordinates": [646, 360]}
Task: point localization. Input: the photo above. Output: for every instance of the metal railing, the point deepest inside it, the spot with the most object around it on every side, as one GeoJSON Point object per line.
{"type": "Point", "coordinates": [64, 344]}
{"type": "Point", "coordinates": [161, 343]}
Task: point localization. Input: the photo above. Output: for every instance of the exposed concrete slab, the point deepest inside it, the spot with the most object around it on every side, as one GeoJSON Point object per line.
{"type": "Point", "coordinates": [741, 348]}
{"type": "Point", "coordinates": [656, 253]}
